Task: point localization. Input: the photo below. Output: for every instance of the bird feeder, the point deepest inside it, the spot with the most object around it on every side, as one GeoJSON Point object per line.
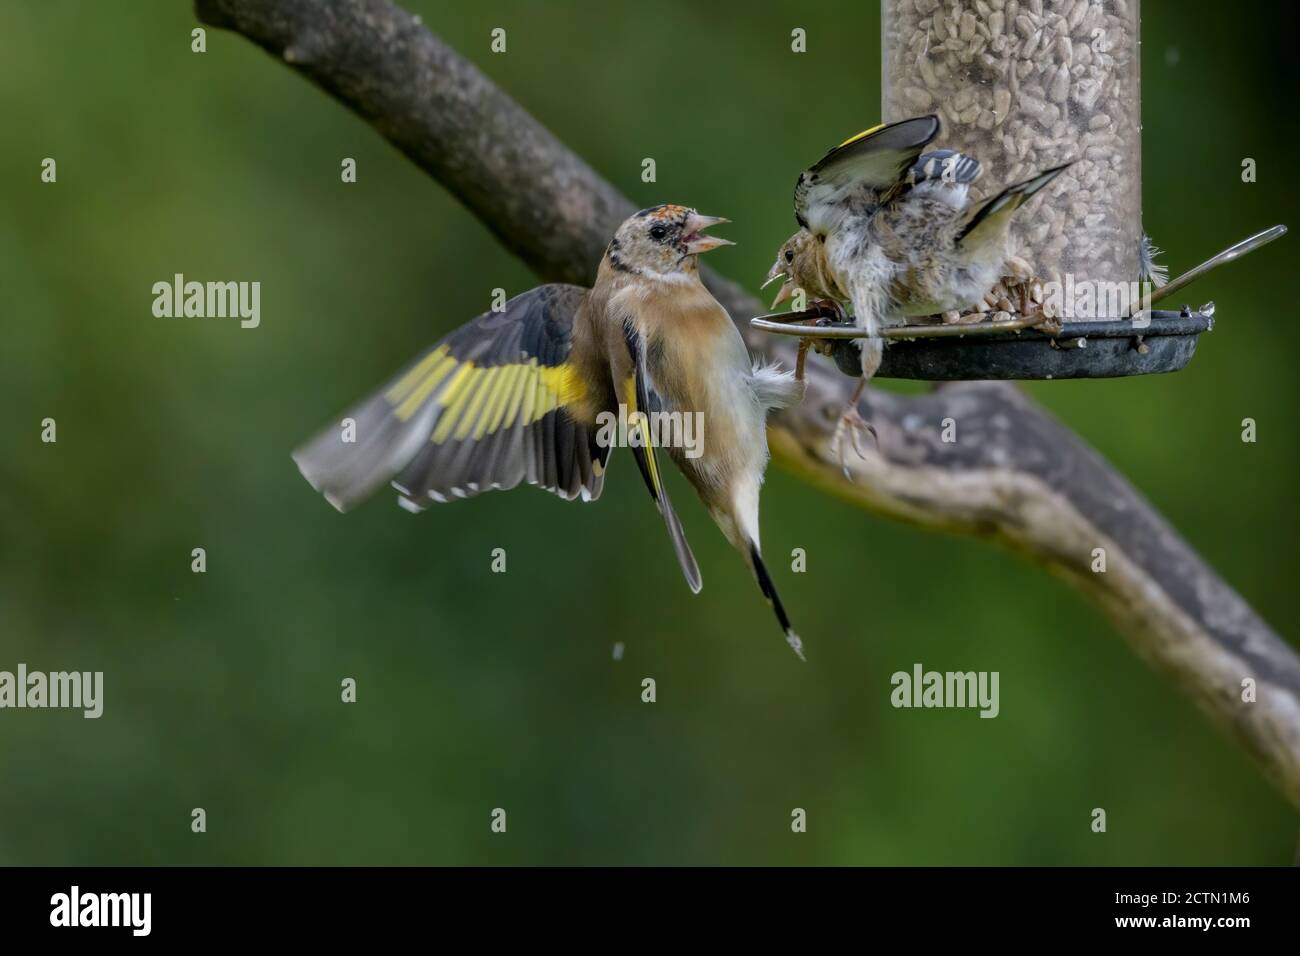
{"type": "Point", "coordinates": [1024, 86]}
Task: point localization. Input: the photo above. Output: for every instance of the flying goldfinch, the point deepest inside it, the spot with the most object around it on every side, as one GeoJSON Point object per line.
{"type": "Point", "coordinates": [896, 237]}
{"type": "Point", "coordinates": [525, 394]}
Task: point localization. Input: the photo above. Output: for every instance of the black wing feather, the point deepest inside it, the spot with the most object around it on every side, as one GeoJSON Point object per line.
{"type": "Point", "coordinates": [647, 399]}
{"type": "Point", "coordinates": [430, 431]}
{"type": "Point", "coordinates": [875, 159]}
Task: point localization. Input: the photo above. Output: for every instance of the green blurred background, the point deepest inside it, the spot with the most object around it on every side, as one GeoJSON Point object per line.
{"type": "Point", "coordinates": [480, 690]}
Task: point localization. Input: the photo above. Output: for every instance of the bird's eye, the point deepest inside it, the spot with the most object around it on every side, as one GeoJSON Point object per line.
{"type": "Point", "coordinates": [789, 255]}
{"type": "Point", "coordinates": [658, 232]}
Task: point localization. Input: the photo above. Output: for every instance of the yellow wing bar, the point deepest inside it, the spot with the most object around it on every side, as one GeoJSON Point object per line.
{"type": "Point", "coordinates": [640, 422]}
{"type": "Point", "coordinates": [857, 136]}
{"type": "Point", "coordinates": [481, 400]}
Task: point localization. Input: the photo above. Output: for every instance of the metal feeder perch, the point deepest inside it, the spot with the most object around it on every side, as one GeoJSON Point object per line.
{"type": "Point", "coordinates": [1022, 87]}
{"type": "Point", "coordinates": [1161, 341]}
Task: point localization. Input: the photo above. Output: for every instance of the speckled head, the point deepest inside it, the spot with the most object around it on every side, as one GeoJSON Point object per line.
{"type": "Point", "coordinates": [663, 240]}
{"type": "Point", "coordinates": [796, 266]}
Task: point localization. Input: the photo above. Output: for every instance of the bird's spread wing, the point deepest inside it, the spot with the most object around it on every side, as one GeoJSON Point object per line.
{"type": "Point", "coordinates": [945, 166]}
{"type": "Point", "coordinates": [484, 408]}
{"type": "Point", "coordinates": [990, 219]}
{"type": "Point", "coordinates": [874, 159]}
{"type": "Point", "coordinates": [643, 401]}
{"type": "Point", "coordinates": [942, 174]}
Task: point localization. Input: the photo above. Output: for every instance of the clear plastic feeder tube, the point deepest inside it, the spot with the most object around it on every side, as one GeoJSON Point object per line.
{"type": "Point", "coordinates": [1023, 86]}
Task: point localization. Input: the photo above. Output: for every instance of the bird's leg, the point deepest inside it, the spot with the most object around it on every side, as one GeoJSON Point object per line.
{"type": "Point", "coordinates": [819, 345]}
{"type": "Point", "coordinates": [824, 346]}
{"type": "Point", "coordinates": [801, 358]}
{"type": "Point", "coordinates": [851, 422]}
{"type": "Point", "coordinates": [1025, 299]}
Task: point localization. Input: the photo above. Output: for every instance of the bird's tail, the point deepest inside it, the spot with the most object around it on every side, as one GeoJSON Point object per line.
{"type": "Point", "coordinates": [769, 591]}
{"type": "Point", "coordinates": [996, 213]}
{"type": "Point", "coordinates": [775, 387]}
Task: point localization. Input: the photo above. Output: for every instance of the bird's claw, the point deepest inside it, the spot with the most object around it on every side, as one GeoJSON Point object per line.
{"type": "Point", "coordinates": [1050, 324]}
{"type": "Point", "coordinates": [832, 305]}
{"type": "Point", "coordinates": [851, 423]}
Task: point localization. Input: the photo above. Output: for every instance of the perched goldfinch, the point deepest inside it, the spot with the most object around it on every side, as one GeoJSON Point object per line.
{"type": "Point", "coordinates": [896, 237]}
{"type": "Point", "coordinates": [800, 262]}
{"type": "Point", "coordinates": [522, 395]}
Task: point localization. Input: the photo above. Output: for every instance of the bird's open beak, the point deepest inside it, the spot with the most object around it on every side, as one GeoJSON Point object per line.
{"type": "Point", "coordinates": [787, 287]}
{"type": "Point", "coordinates": [695, 241]}
{"type": "Point", "coordinates": [776, 272]}
{"type": "Point", "coordinates": [786, 290]}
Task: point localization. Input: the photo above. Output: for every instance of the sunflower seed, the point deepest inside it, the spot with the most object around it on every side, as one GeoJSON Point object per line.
{"type": "Point", "coordinates": [1023, 85]}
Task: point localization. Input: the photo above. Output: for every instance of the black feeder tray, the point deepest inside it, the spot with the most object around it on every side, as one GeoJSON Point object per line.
{"type": "Point", "coordinates": [1015, 349]}
{"type": "Point", "coordinates": [1101, 349]}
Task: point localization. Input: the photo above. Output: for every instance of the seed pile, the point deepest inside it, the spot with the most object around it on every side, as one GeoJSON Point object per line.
{"type": "Point", "coordinates": [1018, 291]}
{"type": "Point", "coordinates": [1025, 85]}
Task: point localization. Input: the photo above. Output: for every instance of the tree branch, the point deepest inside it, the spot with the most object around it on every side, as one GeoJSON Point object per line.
{"type": "Point", "coordinates": [1015, 474]}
